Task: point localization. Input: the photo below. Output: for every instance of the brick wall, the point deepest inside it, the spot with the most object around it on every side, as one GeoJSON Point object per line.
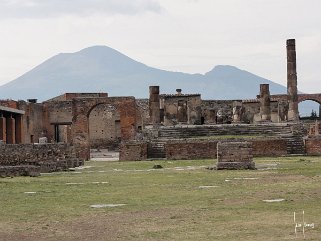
{"type": "Point", "coordinates": [190, 149]}
{"type": "Point", "coordinates": [48, 157]}
{"type": "Point", "coordinates": [133, 151]}
{"type": "Point", "coordinates": [269, 147]}
{"type": "Point", "coordinates": [201, 149]}
{"type": "Point", "coordinates": [313, 145]}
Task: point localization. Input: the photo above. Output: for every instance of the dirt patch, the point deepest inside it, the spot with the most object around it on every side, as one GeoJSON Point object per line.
{"type": "Point", "coordinates": [99, 226]}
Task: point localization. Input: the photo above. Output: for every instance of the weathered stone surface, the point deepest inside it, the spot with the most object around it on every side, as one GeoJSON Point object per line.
{"type": "Point", "coordinates": [293, 113]}
{"type": "Point", "coordinates": [133, 151]}
{"type": "Point", "coordinates": [234, 155]}
{"type": "Point", "coordinates": [22, 170]}
{"type": "Point", "coordinates": [313, 145]}
{"type": "Point", "coordinates": [29, 158]}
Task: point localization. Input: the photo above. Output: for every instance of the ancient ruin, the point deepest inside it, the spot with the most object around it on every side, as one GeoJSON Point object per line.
{"type": "Point", "coordinates": [172, 126]}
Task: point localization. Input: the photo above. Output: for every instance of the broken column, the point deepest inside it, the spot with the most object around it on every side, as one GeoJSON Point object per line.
{"type": "Point", "coordinates": [235, 155]}
{"type": "Point", "coordinates": [293, 112]}
{"type": "Point", "coordinates": [265, 105]}
{"type": "Point", "coordinates": [237, 111]}
{"type": "Point", "coordinates": [154, 106]}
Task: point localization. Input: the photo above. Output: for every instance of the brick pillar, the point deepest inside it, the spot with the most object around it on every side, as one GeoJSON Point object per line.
{"type": "Point", "coordinates": [19, 137]}
{"type": "Point", "coordinates": [265, 105]}
{"type": "Point", "coordinates": [293, 112]}
{"type": "Point", "coordinates": [3, 129]}
{"type": "Point", "coordinates": [154, 107]}
{"type": "Point", "coordinates": [11, 130]}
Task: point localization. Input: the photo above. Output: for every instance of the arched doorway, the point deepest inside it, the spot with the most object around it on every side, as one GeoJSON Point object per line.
{"type": "Point", "coordinates": [309, 110]}
{"type": "Point", "coordinates": [104, 127]}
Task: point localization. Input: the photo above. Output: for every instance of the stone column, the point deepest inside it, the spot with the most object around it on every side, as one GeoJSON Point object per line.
{"type": "Point", "coordinates": [237, 111]}
{"type": "Point", "coordinates": [3, 129]}
{"type": "Point", "coordinates": [154, 105]}
{"type": "Point", "coordinates": [293, 112]}
{"type": "Point", "coordinates": [11, 130]}
{"type": "Point", "coordinates": [265, 105]}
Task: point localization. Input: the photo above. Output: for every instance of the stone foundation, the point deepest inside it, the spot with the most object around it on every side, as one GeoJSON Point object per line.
{"type": "Point", "coordinates": [193, 149]}
{"type": "Point", "coordinates": [234, 155]}
{"type": "Point", "coordinates": [133, 151]}
{"type": "Point", "coordinates": [31, 160]}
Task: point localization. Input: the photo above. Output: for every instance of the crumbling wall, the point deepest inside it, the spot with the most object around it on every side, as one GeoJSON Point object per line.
{"type": "Point", "coordinates": [142, 113]}
{"type": "Point", "coordinates": [17, 158]}
{"type": "Point", "coordinates": [182, 109]}
{"type": "Point", "coordinates": [217, 111]}
{"type": "Point", "coordinates": [34, 125]}
{"type": "Point", "coordinates": [104, 127]}
{"type": "Point", "coordinates": [313, 145]}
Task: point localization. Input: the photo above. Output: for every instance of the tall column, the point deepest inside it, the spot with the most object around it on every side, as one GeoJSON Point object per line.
{"type": "Point", "coordinates": [3, 129]}
{"type": "Point", "coordinates": [293, 112]}
{"type": "Point", "coordinates": [11, 130]}
{"type": "Point", "coordinates": [265, 105]}
{"type": "Point", "coordinates": [154, 105]}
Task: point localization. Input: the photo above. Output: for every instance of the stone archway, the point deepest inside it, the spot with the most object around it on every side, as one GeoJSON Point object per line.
{"type": "Point", "coordinates": [81, 109]}
{"type": "Point", "coordinates": [304, 105]}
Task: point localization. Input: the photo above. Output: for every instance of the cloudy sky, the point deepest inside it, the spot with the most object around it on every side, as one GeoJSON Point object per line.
{"type": "Point", "coordinates": [180, 35]}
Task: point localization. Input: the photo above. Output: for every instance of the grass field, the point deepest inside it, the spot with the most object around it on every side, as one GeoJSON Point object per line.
{"type": "Point", "coordinates": [182, 201]}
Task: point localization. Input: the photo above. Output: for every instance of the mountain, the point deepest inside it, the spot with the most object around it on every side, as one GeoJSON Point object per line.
{"type": "Point", "coordinates": [103, 69]}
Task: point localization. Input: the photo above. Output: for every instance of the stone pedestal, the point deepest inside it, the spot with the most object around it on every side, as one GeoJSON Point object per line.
{"type": "Point", "coordinates": [234, 155]}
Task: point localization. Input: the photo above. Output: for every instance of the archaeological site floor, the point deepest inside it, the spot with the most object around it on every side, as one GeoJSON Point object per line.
{"type": "Point", "coordinates": [181, 201]}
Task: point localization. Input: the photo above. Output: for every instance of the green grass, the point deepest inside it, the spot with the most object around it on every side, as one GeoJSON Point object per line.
{"type": "Point", "coordinates": [164, 204]}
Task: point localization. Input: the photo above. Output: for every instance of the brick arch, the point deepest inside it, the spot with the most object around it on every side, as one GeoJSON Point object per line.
{"type": "Point", "coordinates": [313, 97]}
{"type": "Point", "coordinates": [81, 109]}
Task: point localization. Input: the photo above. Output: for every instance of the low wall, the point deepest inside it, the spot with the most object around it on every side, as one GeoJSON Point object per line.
{"type": "Point", "coordinates": [133, 151]}
{"type": "Point", "coordinates": [191, 149]}
{"type": "Point", "coordinates": [313, 145]}
{"type": "Point", "coordinates": [38, 157]}
{"type": "Point", "coordinates": [201, 149]}
{"type": "Point", "coordinates": [269, 147]}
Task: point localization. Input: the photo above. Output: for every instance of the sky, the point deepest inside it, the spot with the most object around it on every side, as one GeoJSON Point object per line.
{"type": "Point", "coordinates": [189, 36]}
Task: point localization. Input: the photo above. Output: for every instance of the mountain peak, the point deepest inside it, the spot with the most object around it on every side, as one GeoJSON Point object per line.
{"type": "Point", "coordinates": [104, 69]}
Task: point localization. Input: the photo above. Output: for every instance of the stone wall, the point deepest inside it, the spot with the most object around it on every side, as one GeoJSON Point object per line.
{"type": "Point", "coordinates": [104, 127]}
{"type": "Point", "coordinates": [191, 149]}
{"type": "Point", "coordinates": [181, 109]}
{"type": "Point", "coordinates": [201, 149]}
{"type": "Point", "coordinates": [269, 147]}
{"type": "Point", "coordinates": [47, 157]}
{"type": "Point", "coordinates": [313, 145]}
{"type": "Point", "coordinates": [133, 151]}
{"type": "Point", "coordinates": [235, 155]}
{"type": "Point", "coordinates": [194, 149]}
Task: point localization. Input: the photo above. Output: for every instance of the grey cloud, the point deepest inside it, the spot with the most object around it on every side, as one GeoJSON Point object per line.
{"type": "Point", "coordinates": [56, 8]}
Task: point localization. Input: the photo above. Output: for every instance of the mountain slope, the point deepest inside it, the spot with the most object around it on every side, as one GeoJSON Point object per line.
{"type": "Point", "coordinates": [102, 69]}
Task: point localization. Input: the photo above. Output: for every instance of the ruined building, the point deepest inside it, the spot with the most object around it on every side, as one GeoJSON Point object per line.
{"type": "Point", "coordinates": [163, 126]}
